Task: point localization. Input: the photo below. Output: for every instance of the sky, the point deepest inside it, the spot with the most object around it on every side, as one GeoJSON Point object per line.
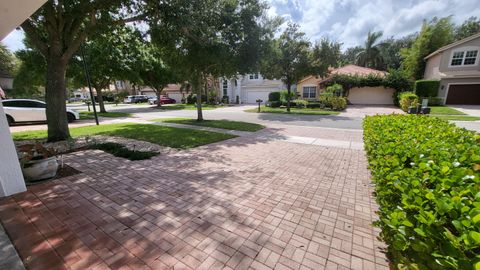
{"type": "Point", "coordinates": [348, 21]}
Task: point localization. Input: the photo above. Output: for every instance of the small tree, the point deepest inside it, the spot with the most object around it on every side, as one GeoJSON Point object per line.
{"type": "Point", "coordinates": [290, 59]}
{"type": "Point", "coordinates": [155, 72]}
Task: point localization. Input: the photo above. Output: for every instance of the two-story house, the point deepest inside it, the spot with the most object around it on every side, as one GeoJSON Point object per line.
{"type": "Point", "coordinates": [457, 67]}
{"type": "Point", "coordinates": [248, 88]}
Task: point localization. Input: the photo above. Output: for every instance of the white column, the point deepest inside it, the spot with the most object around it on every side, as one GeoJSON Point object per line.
{"type": "Point", "coordinates": [11, 178]}
{"type": "Point", "coordinates": [239, 90]}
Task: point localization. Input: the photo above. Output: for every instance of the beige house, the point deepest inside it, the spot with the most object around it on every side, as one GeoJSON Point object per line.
{"type": "Point", "coordinates": [310, 87]}
{"type": "Point", "coordinates": [457, 66]}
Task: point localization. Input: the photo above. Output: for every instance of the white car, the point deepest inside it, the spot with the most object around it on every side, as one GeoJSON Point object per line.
{"type": "Point", "coordinates": [29, 110]}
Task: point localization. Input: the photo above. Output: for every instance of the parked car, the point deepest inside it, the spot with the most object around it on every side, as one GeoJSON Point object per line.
{"type": "Point", "coordinates": [136, 99]}
{"type": "Point", "coordinates": [30, 110]}
{"type": "Point", "coordinates": [163, 100]}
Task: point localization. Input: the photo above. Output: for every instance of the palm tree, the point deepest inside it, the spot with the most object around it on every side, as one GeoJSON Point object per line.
{"type": "Point", "coordinates": [370, 55]}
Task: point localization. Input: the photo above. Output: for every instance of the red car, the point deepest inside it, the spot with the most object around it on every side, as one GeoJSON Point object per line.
{"type": "Point", "coordinates": [163, 100]}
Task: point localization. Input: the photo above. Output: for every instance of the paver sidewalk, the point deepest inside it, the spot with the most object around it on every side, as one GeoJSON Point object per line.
{"type": "Point", "coordinates": [245, 203]}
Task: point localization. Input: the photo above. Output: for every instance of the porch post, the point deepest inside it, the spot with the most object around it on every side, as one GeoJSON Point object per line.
{"type": "Point", "coordinates": [11, 178]}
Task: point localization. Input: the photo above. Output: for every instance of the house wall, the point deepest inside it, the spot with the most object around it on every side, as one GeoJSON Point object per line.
{"type": "Point", "coordinates": [311, 81]}
{"type": "Point", "coordinates": [460, 70]}
{"type": "Point", "coordinates": [432, 69]}
{"type": "Point", "coordinates": [248, 89]}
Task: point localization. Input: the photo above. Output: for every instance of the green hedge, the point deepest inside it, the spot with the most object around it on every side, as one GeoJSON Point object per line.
{"type": "Point", "coordinates": [395, 79]}
{"type": "Point", "coordinates": [426, 175]}
{"type": "Point", "coordinates": [427, 88]}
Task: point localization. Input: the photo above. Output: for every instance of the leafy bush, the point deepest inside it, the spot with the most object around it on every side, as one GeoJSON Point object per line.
{"type": "Point", "coordinates": [427, 88]}
{"type": "Point", "coordinates": [335, 89]}
{"type": "Point", "coordinates": [300, 103]}
{"type": "Point", "coordinates": [284, 95]}
{"type": "Point", "coordinates": [119, 150]}
{"type": "Point", "coordinates": [435, 101]}
{"type": "Point", "coordinates": [191, 99]}
{"type": "Point", "coordinates": [274, 96]}
{"type": "Point", "coordinates": [426, 175]}
{"type": "Point", "coordinates": [338, 103]}
{"type": "Point", "coordinates": [408, 99]}
{"type": "Point", "coordinates": [395, 79]}
{"type": "Point", "coordinates": [275, 104]}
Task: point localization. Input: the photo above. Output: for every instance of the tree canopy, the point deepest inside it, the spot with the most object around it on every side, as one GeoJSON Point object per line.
{"type": "Point", "coordinates": [211, 38]}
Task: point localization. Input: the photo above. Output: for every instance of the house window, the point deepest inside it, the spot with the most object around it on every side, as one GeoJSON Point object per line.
{"type": "Point", "coordinates": [254, 76]}
{"type": "Point", "coordinates": [464, 58]}
{"type": "Point", "coordinates": [225, 87]}
{"type": "Point", "coordinates": [309, 91]}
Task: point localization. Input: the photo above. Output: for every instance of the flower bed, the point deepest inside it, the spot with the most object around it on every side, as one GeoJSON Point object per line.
{"type": "Point", "coordinates": [426, 174]}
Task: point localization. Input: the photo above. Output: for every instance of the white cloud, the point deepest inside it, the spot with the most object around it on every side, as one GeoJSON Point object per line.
{"type": "Point", "coordinates": [348, 21]}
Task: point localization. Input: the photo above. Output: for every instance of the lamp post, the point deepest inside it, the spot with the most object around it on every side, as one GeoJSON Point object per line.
{"type": "Point", "coordinates": [87, 77]}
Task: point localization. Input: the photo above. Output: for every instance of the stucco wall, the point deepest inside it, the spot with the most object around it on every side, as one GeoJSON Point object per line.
{"type": "Point", "coordinates": [371, 95]}
{"type": "Point", "coordinates": [432, 69]}
{"type": "Point", "coordinates": [461, 70]}
{"type": "Point", "coordinates": [312, 81]}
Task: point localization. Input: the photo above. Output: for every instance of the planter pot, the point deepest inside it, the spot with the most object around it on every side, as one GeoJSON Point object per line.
{"type": "Point", "coordinates": [36, 170]}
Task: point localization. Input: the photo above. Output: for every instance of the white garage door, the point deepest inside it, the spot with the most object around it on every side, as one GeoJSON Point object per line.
{"type": "Point", "coordinates": [371, 95]}
{"type": "Point", "coordinates": [252, 96]}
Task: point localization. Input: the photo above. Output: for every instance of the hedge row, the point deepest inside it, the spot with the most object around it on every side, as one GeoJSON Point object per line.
{"type": "Point", "coordinates": [426, 175]}
{"type": "Point", "coordinates": [427, 88]}
{"type": "Point", "coordinates": [395, 79]}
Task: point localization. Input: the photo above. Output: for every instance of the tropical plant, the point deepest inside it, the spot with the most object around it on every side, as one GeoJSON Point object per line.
{"type": "Point", "coordinates": [407, 100]}
{"type": "Point", "coordinates": [370, 55]}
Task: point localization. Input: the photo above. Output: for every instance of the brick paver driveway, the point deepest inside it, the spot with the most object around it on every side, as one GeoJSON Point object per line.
{"type": "Point", "coordinates": [243, 203]}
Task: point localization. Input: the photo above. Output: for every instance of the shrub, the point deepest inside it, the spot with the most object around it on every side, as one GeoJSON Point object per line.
{"type": "Point", "coordinates": [426, 175]}
{"type": "Point", "coordinates": [427, 88]}
{"type": "Point", "coordinates": [338, 103]}
{"type": "Point", "coordinates": [300, 103]}
{"type": "Point", "coordinates": [274, 96]}
{"type": "Point", "coordinates": [284, 95]}
{"type": "Point", "coordinates": [325, 99]}
{"type": "Point", "coordinates": [275, 104]}
{"type": "Point", "coordinates": [407, 99]}
{"type": "Point", "coordinates": [191, 99]}
{"type": "Point", "coordinates": [335, 89]}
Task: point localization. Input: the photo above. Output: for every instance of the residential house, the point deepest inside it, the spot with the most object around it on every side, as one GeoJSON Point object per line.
{"type": "Point", "coordinates": [6, 81]}
{"type": "Point", "coordinates": [457, 67]}
{"type": "Point", "coordinates": [171, 91]}
{"type": "Point", "coordinates": [248, 88]}
{"type": "Point", "coordinates": [310, 87]}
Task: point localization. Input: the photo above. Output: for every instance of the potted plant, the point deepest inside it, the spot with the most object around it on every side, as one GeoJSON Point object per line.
{"type": "Point", "coordinates": [37, 162]}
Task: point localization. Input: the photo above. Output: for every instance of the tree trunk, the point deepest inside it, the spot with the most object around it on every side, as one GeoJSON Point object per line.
{"type": "Point", "coordinates": [289, 86]}
{"type": "Point", "coordinates": [55, 97]}
{"type": "Point", "coordinates": [158, 92]}
{"type": "Point", "coordinates": [100, 99]}
{"type": "Point", "coordinates": [198, 90]}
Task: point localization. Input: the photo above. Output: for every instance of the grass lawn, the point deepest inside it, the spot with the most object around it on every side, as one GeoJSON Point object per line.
{"type": "Point", "coordinates": [166, 136]}
{"type": "Point", "coordinates": [188, 107]}
{"type": "Point", "coordinates": [89, 115]}
{"type": "Point", "coordinates": [457, 117]}
{"type": "Point", "coordinates": [225, 124]}
{"type": "Point", "coordinates": [265, 109]}
{"type": "Point", "coordinates": [445, 110]}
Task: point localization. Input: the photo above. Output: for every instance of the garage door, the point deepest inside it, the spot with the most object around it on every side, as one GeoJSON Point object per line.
{"type": "Point", "coordinates": [252, 96]}
{"type": "Point", "coordinates": [176, 96]}
{"type": "Point", "coordinates": [466, 94]}
{"type": "Point", "coordinates": [371, 96]}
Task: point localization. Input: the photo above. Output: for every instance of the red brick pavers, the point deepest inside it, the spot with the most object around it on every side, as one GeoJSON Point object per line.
{"type": "Point", "coordinates": [245, 203]}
